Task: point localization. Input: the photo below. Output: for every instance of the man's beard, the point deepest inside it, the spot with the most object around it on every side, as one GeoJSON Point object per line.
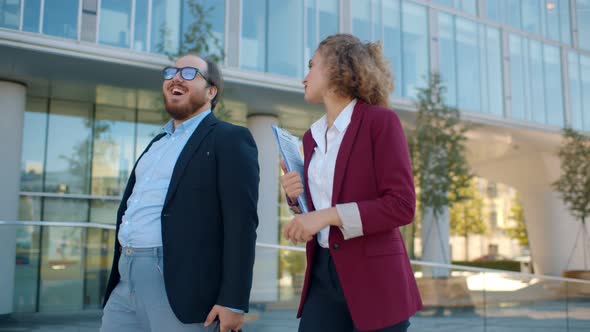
{"type": "Point", "coordinates": [183, 110]}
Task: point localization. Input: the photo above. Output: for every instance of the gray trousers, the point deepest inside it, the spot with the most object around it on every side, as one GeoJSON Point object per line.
{"type": "Point", "coordinates": [139, 302]}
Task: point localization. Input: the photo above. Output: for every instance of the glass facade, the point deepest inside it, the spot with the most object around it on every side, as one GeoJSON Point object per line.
{"type": "Point", "coordinates": [549, 18]}
{"type": "Point", "coordinates": [10, 14]}
{"type": "Point", "coordinates": [583, 22]}
{"type": "Point", "coordinates": [579, 90]}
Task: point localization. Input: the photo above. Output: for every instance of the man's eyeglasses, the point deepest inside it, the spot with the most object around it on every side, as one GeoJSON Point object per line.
{"type": "Point", "coordinates": [187, 73]}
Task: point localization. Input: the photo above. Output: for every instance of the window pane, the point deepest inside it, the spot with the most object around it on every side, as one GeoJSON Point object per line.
{"type": "Point", "coordinates": [104, 211]}
{"type": "Point", "coordinates": [33, 153]}
{"type": "Point", "coordinates": [494, 67]}
{"type": "Point", "coordinates": [376, 16]}
{"type": "Point", "coordinates": [193, 28]}
{"type": "Point", "coordinates": [113, 150]}
{"type": "Point", "coordinates": [513, 11]}
{"type": "Point", "coordinates": [361, 19]}
{"type": "Point", "coordinates": [468, 70]}
{"type": "Point", "coordinates": [552, 10]}
{"type": "Point", "coordinates": [61, 286]}
{"type": "Point", "coordinates": [140, 25]}
{"type": "Point", "coordinates": [60, 18]}
{"type": "Point", "coordinates": [149, 124]}
{"type": "Point", "coordinates": [328, 11]}
{"type": "Point", "coordinates": [577, 121]}
{"type": "Point", "coordinates": [312, 42]}
{"type": "Point", "coordinates": [553, 85]}
{"type": "Point", "coordinates": [68, 147]}
{"type": "Point", "coordinates": [565, 26]}
{"type": "Point", "coordinates": [31, 15]}
{"type": "Point", "coordinates": [583, 20]}
{"type": "Point", "coordinates": [10, 14]}
{"type": "Point", "coordinates": [88, 29]}
{"type": "Point", "coordinates": [469, 6]}
{"type": "Point", "coordinates": [253, 39]}
{"type": "Point", "coordinates": [531, 16]}
{"type": "Point", "coordinates": [517, 77]}
{"type": "Point", "coordinates": [493, 10]}
{"type": "Point", "coordinates": [415, 46]}
{"type": "Point", "coordinates": [585, 76]}
{"type": "Point", "coordinates": [392, 40]}
{"type": "Point", "coordinates": [536, 86]}
{"type": "Point", "coordinates": [98, 264]}
{"type": "Point", "coordinates": [165, 33]}
{"type": "Point", "coordinates": [27, 256]}
{"type": "Point", "coordinates": [115, 22]}
{"type": "Point", "coordinates": [285, 38]}
{"type": "Point", "coordinates": [447, 65]}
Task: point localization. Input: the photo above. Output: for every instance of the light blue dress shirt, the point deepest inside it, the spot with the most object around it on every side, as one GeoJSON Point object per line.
{"type": "Point", "coordinates": [141, 226]}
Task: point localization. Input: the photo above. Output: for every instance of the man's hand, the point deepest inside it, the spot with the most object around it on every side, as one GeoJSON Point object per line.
{"type": "Point", "coordinates": [228, 320]}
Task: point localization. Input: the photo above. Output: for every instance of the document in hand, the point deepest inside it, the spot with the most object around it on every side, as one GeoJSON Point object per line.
{"type": "Point", "coordinates": [289, 148]}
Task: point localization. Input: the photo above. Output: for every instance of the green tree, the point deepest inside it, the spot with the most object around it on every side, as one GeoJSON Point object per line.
{"type": "Point", "coordinates": [574, 183]}
{"type": "Point", "coordinates": [438, 153]}
{"type": "Point", "coordinates": [466, 215]}
{"type": "Point", "coordinates": [518, 231]}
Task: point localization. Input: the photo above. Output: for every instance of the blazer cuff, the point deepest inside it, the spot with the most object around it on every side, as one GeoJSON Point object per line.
{"type": "Point", "coordinates": [350, 216]}
{"type": "Point", "coordinates": [293, 205]}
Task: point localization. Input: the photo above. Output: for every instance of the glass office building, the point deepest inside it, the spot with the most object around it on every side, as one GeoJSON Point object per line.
{"type": "Point", "coordinates": [92, 102]}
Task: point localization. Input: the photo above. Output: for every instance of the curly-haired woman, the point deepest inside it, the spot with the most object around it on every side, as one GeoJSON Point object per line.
{"type": "Point", "coordinates": [358, 180]}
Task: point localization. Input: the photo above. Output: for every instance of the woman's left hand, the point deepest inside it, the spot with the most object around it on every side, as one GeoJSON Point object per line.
{"type": "Point", "coordinates": [303, 227]}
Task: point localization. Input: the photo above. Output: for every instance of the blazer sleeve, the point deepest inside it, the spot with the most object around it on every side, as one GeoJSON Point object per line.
{"type": "Point", "coordinates": [396, 201]}
{"type": "Point", "coordinates": [238, 179]}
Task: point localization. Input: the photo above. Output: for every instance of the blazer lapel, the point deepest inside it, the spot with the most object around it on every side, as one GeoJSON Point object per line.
{"type": "Point", "coordinates": [345, 149]}
{"type": "Point", "coordinates": [187, 152]}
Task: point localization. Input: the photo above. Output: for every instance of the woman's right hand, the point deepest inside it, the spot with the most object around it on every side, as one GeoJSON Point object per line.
{"type": "Point", "coordinates": [291, 182]}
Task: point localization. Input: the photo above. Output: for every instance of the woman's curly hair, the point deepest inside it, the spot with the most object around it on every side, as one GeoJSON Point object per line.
{"type": "Point", "coordinates": [356, 69]}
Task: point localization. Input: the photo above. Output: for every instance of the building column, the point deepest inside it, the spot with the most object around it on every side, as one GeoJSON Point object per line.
{"type": "Point", "coordinates": [266, 266]}
{"type": "Point", "coordinates": [12, 111]}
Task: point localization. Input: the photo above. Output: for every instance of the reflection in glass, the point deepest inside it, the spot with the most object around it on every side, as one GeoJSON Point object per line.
{"type": "Point", "coordinates": [575, 90]}
{"type": "Point", "coordinates": [392, 41]}
{"type": "Point", "coordinates": [215, 16]}
{"type": "Point", "coordinates": [165, 30]}
{"type": "Point", "coordinates": [65, 209]}
{"type": "Point", "coordinates": [140, 25]}
{"type": "Point", "coordinates": [113, 149]}
{"type": "Point", "coordinates": [494, 72]}
{"type": "Point", "coordinates": [61, 284]}
{"type": "Point", "coordinates": [99, 258]}
{"type": "Point", "coordinates": [583, 21]}
{"type": "Point", "coordinates": [517, 77]}
{"type": "Point", "coordinates": [415, 48]}
{"type": "Point", "coordinates": [60, 18]}
{"type": "Point", "coordinates": [468, 69]}
{"type": "Point", "coordinates": [104, 211]}
{"type": "Point", "coordinates": [553, 85]}
{"type": "Point", "coordinates": [585, 77]}
{"type": "Point", "coordinates": [68, 147]}
{"type": "Point", "coordinates": [447, 58]}
{"type": "Point", "coordinates": [253, 38]}
{"type": "Point", "coordinates": [536, 83]}
{"type": "Point", "coordinates": [115, 22]}
{"type": "Point", "coordinates": [361, 19]}
{"type": "Point", "coordinates": [10, 14]}
{"type": "Point", "coordinates": [27, 256]}
{"type": "Point", "coordinates": [328, 15]}
{"type": "Point", "coordinates": [531, 16]}
{"type": "Point", "coordinates": [33, 153]}
{"type": "Point", "coordinates": [31, 13]}
{"type": "Point", "coordinates": [285, 38]}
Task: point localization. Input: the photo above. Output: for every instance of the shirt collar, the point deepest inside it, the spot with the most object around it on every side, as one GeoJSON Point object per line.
{"type": "Point", "coordinates": [187, 126]}
{"type": "Point", "coordinates": [318, 128]}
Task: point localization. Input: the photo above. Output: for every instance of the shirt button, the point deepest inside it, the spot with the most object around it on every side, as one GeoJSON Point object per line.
{"type": "Point", "coordinates": [335, 246]}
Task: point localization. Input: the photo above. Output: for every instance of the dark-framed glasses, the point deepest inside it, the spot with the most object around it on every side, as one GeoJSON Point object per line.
{"type": "Point", "coordinates": [187, 73]}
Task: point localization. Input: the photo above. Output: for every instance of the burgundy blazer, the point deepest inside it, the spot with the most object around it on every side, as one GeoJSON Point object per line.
{"type": "Point", "coordinates": [372, 169]}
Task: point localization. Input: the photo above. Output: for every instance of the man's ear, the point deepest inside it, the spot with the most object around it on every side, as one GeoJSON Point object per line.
{"type": "Point", "coordinates": [212, 92]}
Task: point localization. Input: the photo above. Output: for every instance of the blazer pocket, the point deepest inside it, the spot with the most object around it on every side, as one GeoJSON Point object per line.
{"type": "Point", "coordinates": [384, 247]}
